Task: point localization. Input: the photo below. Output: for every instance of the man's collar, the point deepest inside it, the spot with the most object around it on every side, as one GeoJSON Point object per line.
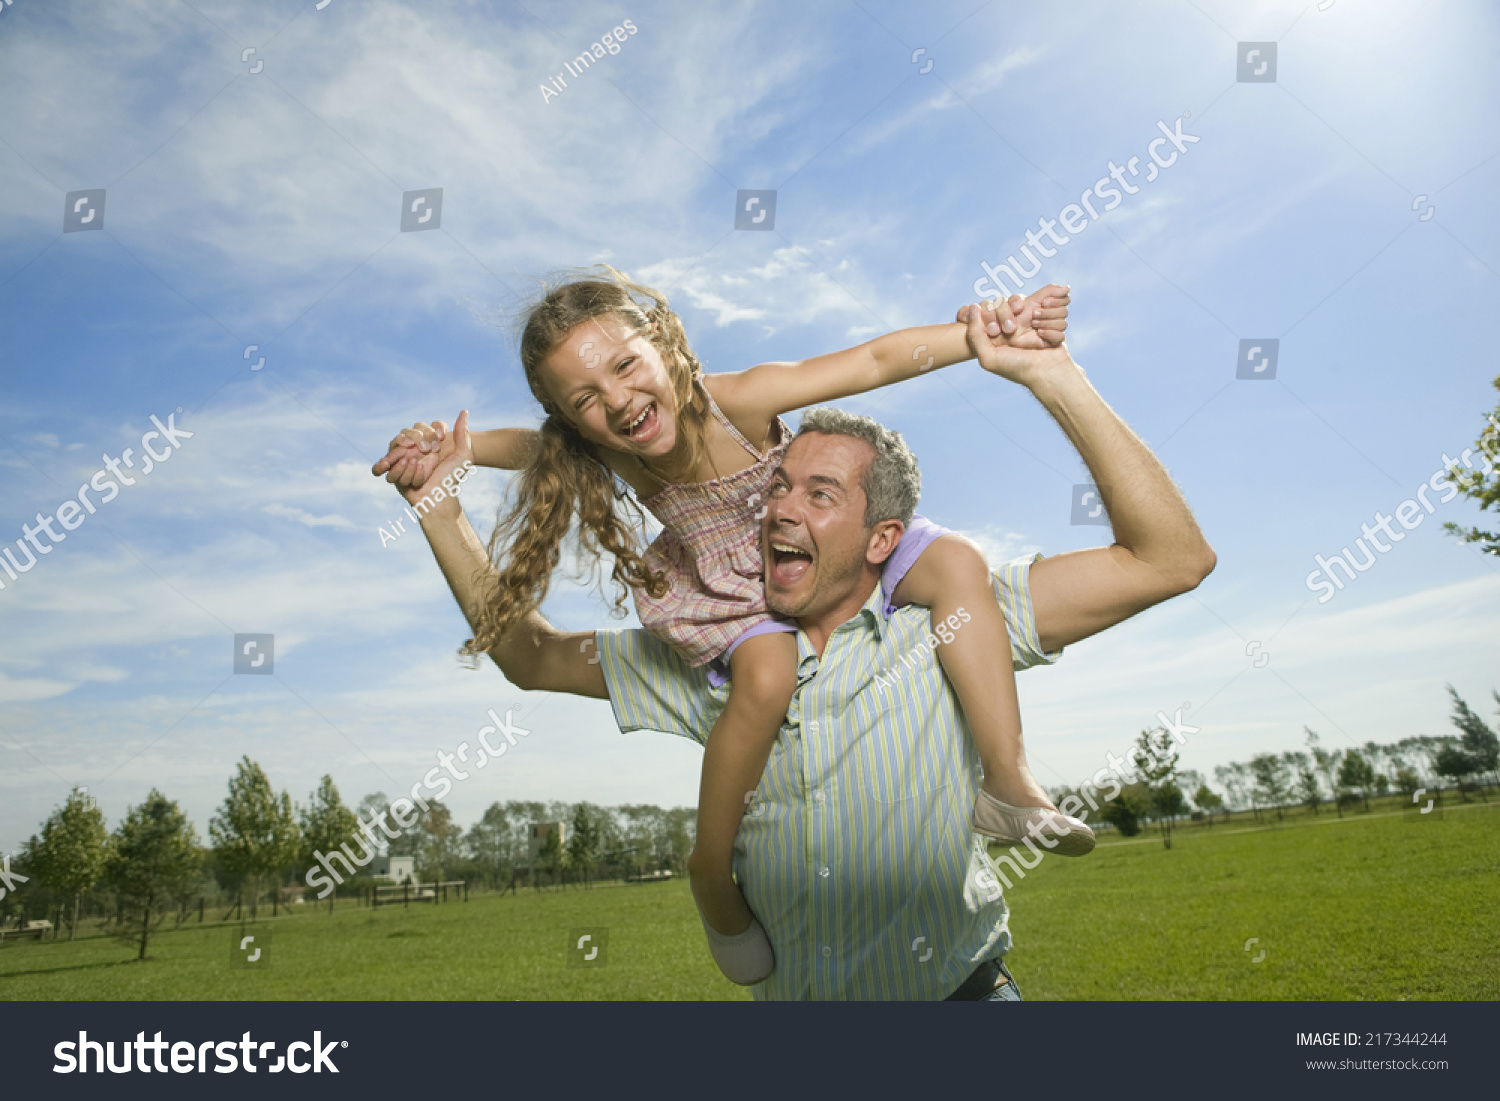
{"type": "Point", "coordinates": [874, 611]}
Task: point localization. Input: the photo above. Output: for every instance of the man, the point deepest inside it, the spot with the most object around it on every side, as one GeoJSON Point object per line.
{"type": "Point", "coordinates": [856, 851]}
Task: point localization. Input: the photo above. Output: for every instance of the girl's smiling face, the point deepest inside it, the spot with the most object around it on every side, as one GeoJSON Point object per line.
{"type": "Point", "coordinates": [611, 384]}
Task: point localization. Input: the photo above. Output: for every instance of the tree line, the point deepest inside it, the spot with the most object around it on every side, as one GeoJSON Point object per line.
{"type": "Point", "coordinates": [262, 843]}
{"type": "Point", "coordinates": [1273, 782]}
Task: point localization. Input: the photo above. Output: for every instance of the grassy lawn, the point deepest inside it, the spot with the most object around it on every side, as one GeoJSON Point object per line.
{"type": "Point", "coordinates": [1376, 906]}
{"type": "Point", "coordinates": [1383, 906]}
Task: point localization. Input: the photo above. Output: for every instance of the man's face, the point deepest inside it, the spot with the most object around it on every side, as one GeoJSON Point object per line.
{"type": "Point", "coordinates": [816, 548]}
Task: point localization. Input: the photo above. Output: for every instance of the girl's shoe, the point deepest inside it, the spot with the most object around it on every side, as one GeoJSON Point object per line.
{"type": "Point", "coordinates": [745, 958]}
{"type": "Point", "coordinates": [1009, 825]}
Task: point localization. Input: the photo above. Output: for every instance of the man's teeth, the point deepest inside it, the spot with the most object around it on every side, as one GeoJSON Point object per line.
{"type": "Point", "coordinates": [784, 549]}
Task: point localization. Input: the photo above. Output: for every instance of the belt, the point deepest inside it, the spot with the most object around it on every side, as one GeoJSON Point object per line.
{"type": "Point", "coordinates": [988, 977]}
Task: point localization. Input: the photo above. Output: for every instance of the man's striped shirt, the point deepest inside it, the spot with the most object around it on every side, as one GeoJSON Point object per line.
{"type": "Point", "coordinates": [856, 852]}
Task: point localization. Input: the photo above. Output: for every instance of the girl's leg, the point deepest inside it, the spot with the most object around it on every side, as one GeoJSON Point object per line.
{"type": "Point", "coordinates": [952, 578]}
{"type": "Point", "coordinates": [763, 672]}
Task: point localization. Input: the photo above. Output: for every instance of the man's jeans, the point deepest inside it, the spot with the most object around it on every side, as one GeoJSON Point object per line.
{"type": "Point", "coordinates": [1006, 992]}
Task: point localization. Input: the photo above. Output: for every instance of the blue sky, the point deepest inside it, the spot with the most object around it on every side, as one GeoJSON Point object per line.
{"type": "Point", "coordinates": [263, 208]}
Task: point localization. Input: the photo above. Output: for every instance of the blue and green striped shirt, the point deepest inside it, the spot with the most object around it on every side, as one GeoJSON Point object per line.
{"type": "Point", "coordinates": [856, 853]}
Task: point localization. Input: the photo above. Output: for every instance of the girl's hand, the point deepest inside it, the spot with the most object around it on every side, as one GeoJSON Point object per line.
{"type": "Point", "coordinates": [427, 453]}
{"type": "Point", "coordinates": [1040, 321]}
{"type": "Point", "coordinates": [412, 456]}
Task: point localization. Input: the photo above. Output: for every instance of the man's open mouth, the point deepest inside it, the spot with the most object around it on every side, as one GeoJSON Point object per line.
{"type": "Point", "coordinates": [644, 426]}
{"type": "Point", "coordinates": [788, 563]}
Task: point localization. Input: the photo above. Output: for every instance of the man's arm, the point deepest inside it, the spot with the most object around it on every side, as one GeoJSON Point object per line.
{"type": "Point", "coordinates": [1158, 552]}
{"type": "Point", "coordinates": [533, 656]}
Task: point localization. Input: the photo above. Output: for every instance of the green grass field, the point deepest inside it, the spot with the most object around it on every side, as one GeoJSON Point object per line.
{"type": "Point", "coordinates": [1376, 906]}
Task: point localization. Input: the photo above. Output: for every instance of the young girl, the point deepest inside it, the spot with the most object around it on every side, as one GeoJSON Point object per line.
{"type": "Point", "coordinates": [627, 402]}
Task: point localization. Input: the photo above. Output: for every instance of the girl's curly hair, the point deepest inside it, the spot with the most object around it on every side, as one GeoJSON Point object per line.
{"type": "Point", "coordinates": [565, 478]}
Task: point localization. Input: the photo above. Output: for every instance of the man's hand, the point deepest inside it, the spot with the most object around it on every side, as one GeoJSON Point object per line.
{"type": "Point", "coordinates": [1019, 339]}
{"type": "Point", "coordinates": [426, 453]}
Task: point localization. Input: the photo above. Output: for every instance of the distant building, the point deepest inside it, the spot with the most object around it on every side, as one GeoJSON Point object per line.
{"type": "Point", "coordinates": [539, 832]}
{"type": "Point", "coordinates": [398, 869]}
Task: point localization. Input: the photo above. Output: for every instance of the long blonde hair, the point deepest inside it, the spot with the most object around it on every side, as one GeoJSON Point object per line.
{"type": "Point", "coordinates": [566, 479]}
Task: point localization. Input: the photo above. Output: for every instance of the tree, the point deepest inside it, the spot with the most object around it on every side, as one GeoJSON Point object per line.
{"type": "Point", "coordinates": [550, 855]}
{"type": "Point", "coordinates": [583, 846]}
{"type": "Point", "coordinates": [1208, 801]}
{"type": "Point", "coordinates": [1479, 741]}
{"type": "Point", "coordinates": [438, 839]}
{"type": "Point", "coordinates": [1305, 777]}
{"type": "Point", "coordinates": [640, 828]}
{"type": "Point", "coordinates": [1455, 763]}
{"type": "Point", "coordinates": [70, 854]}
{"type": "Point", "coordinates": [1156, 757]}
{"type": "Point", "coordinates": [255, 832]}
{"type": "Point", "coordinates": [497, 843]}
{"type": "Point", "coordinates": [1126, 809]}
{"type": "Point", "coordinates": [1167, 803]}
{"type": "Point", "coordinates": [1327, 763]}
{"type": "Point", "coordinates": [1480, 483]}
{"type": "Point", "coordinates": [681, 836]}
{"type": "Point", "coordinates": [1232, 776]}
{"type": "Point", "coordinates": [1373, 753]}
{"type": "Point", "coordinates": [154, 859]}
{"type": "Point", "coordinates": [1272, 780]}
{"type": "Point", "coordinates": [1356, 774]}
{"type": "Point", "coordinates": [325, 823]}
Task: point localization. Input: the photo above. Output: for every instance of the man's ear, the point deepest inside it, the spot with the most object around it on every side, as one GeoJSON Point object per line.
{"type": "Point", "coordinates": [883, 539]}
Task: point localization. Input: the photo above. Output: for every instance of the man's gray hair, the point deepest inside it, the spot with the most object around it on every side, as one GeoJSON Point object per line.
{"type": "Point", "coordinates": [892, 482]}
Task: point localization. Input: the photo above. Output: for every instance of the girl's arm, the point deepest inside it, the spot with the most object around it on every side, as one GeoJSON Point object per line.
{"type": "Point", "coordinates": [414, 453]}
{"type": "Point", "coordinates": [771, 389]}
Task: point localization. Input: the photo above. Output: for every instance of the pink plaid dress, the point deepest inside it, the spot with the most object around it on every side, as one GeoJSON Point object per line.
{"type": "Point", "coordinates": [709, 552]}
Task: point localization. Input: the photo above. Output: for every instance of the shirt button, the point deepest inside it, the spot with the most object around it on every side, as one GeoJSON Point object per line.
{"type": "Point", "coordinates": [818, 796]}
{"type": "Point", "coordinates": [813, 726]}
{"type": "Point", "coordinates": [824, 872]}
{"type": "Point", "coordinates": [827, 951]}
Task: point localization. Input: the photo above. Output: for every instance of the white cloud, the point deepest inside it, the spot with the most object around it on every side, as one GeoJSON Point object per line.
{"type": "Point", "coordinates": [307, 518]}
{"type": "Point", "coordinates": [1000, 546]}
{"type": "Point", "coordinates": [1321, 673]}
{"type": "Point", "coordinates": [789, 287]}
